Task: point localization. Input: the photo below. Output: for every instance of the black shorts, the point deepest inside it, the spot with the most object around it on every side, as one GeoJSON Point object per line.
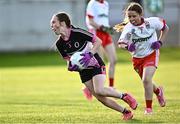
{"type": "Point", "coordinates": [88, 74]}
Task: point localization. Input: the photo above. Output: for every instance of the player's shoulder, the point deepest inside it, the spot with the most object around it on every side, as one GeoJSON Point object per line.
{"type": "Point", "coordinates": [94, 2]}
{"type": "Point", "coordinates": [106, 3]}
{"type": "Point", "coordinates": [152, 19]}
{"type": "Point", "coordinates": [81, 31]}
{"type": "Point", "coordinates": [91, 2]}
{"type": "Point", "coordinates": [128, 26]}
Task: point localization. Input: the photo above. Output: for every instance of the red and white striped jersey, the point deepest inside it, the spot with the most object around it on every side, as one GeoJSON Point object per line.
{"type": "Point", "coordinates": [142, 35]}
{"type": "Point", "coordinates": [99, 11]}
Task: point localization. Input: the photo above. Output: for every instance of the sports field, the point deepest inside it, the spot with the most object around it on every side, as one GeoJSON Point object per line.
{"type": "Point", "coordinates": [37, 88]}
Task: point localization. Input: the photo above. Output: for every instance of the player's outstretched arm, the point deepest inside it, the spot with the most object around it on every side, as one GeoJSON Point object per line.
{"type": "Point", "coordinates": [163, 34]}
{"type": "Point", "coordinates": [126, 45]}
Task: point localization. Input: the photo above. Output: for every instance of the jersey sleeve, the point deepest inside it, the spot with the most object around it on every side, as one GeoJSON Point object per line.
{"type": "Point", "coordinates": [125, 35]}
{"type": "Point", "coordinates": [90, 11]}
{"type": "Point", "coordinates": [61, 51]}
{"type": "Point", "coordinates": [87, 36]}
{"type": "Point", "coordinates": [157, 23]}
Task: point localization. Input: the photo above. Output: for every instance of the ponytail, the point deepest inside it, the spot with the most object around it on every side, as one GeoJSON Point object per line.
{"type": "Point", "coordinates": [119, 27]}
{"type": "Point", "coordinates": [131, 7]}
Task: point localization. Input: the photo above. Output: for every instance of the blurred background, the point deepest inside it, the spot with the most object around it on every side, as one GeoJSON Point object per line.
{"type": "Point", "coordinates": [24, 24]}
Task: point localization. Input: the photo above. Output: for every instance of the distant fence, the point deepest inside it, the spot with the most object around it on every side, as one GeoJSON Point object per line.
{"type": "Point", "coordinates": [24, 24]}
{"type": "Point", "coordinates": [171, 13]}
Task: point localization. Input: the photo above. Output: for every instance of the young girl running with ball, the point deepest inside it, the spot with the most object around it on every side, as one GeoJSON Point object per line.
{"type": "Point", "coordinates": [71, 40]}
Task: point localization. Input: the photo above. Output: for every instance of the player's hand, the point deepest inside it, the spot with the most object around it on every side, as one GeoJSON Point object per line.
{"type": "Point", "coordinates": [93, 63]}
{"type": "Point", "coordinates": [156, 45]}
{"type": "Point", "coordinates": [131, 47]}
{"type": "Point", "coordinates": [72, 67]}
{"type": "Point", "coordinates": [123, 45]}
{"type": "Point", "coordinates": [86, 59]}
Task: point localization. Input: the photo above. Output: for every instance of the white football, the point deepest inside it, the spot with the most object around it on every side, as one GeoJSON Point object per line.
{"type": "Point", "coordinates": [75, 59]}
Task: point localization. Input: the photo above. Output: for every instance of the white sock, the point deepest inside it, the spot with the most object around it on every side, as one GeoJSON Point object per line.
{"type": "Point", "coordinates": [120, 95]}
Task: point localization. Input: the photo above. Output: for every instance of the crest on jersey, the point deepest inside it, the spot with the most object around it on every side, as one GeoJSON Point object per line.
{"type": "Point", "coordinates": [133, 31]}
{"type": "Point", "coordinates": [147, 24]}
{"type": "Point", "coordinates": [141, 29]}
{"type": "Point", "coordinates": [128, 36]}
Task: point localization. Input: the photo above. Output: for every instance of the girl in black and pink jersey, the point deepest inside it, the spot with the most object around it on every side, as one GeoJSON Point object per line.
{"type": "Point", "coordinates": [72, 40]}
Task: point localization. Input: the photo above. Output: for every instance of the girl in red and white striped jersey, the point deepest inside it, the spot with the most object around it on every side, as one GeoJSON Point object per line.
{"type": "Point", "coordinates": [140, 39]}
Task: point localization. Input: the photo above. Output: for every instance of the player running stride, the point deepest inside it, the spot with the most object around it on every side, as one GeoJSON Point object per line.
{"type": "Point", "coordinates": [72, 40]}
{"type": "Point", "coordinates": [97, 21]}
{"type": "Point", "coordinates": [140, 39]}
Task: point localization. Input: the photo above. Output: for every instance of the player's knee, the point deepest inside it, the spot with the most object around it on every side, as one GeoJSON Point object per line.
{"type": "Point", "coordinates": [113, 62]}
{"type": "Point", "coordinates": [146, 81]}
{"type": "Point", "coordinates": [99, 92]}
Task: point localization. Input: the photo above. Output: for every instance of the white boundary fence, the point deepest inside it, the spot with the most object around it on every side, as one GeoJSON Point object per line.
{"type": "Point", "coordinates": [24, 24]}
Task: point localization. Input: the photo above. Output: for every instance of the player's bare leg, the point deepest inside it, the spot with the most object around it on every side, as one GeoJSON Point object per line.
{"type": "Point", "coordinates": [112, 59]}
{"type": "Point", "coordinates": [101, 52]}
{"type": "Point", "coordinates": [127, 114]}
{"type": "Point", "coordinates": [159, 94]}
{"type": "Point", "coordinates": [99, 89]}
{"type": "Point", "coordinates": [148, 73]}
{"type": "Point", "coordinates": [98, 84]}
{"type": "Point", "coordinates": [85, 90]}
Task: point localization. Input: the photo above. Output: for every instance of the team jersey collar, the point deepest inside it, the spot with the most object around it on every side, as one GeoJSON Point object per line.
{"type": "Point", "coordinates": [142, 21]}
{"type": "Point", "coordinates": [101, 1]}
{"type": "Point", "coordinates": [68, 34]}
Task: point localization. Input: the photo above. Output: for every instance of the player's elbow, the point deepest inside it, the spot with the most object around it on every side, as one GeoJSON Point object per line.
{"type": "Point", "coordinates": [167, 28]}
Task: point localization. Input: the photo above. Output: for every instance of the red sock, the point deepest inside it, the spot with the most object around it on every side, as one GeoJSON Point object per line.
{"type": "Point", "coordinates": [156, 91]}
{"type": "Point", "coordinates": [111, 82]}
{"type": "Point", "coordinates": [148, 103]}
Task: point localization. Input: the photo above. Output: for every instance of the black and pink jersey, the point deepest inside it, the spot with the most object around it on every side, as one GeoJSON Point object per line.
{"type": "Point", "coordinates": [79, 40]}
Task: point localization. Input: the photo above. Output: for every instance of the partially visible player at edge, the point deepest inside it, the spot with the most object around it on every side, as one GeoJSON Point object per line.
{"type": "Point", "coordinates": [140, 39]}
{"type": "Point", "coordinates": [72, 40]}
{"type": "Point", "coordinates": [97, 21]}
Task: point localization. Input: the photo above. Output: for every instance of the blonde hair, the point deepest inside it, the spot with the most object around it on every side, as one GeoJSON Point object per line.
{"type": "Point", "coordinates": [119, 27]}
{"type": "Point", "coordinates": [131, 7]}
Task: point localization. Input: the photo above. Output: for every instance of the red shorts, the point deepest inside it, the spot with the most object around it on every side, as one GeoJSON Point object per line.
{"type": "Point", "coordinates": [105, 37]}
{"type": "Point", "coordinates": [150, 60]}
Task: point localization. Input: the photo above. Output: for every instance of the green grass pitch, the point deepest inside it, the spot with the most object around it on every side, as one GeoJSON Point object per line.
{"type": "Point", "coordinates": [37, 88]}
